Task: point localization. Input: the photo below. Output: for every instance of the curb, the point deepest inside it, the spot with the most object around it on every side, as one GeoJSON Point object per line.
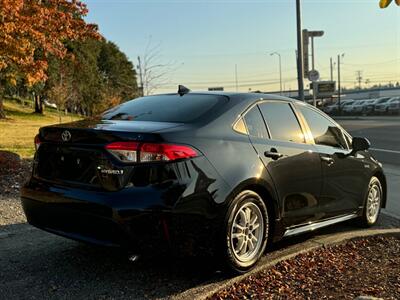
{"type": "Point", "coordinates": [271, 259]}
{"type": "Point", "coordinates": [366, 118]}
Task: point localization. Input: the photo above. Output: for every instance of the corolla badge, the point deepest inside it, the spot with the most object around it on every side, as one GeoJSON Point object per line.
{"type": "Point", "coordinates": [66, 135]}
{"type": "Point", "coordinates": [110, 171]}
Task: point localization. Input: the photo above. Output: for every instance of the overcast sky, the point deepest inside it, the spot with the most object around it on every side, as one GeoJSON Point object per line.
{"type": "Point", "coordinates": [205, 39]}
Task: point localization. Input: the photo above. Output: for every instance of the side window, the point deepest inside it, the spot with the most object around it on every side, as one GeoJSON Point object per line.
{"type": "Point", "coordinates": [324, 131]}
{"type": "Point", "coordinates": [255, 123]}
{"type": "Point", "coordinates": [282, 122]}
{"type": "Point", "coordinates": [240, 126]}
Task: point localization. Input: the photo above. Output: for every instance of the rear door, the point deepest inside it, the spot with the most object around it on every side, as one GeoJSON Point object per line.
{"type": "Point", "coordinates": [344, 176]}
{"type": "Point", "coordinates": [278, 138]}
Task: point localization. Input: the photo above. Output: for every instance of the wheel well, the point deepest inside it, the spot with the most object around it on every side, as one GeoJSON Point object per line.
{"type": "Point", "coordinates": [268, 200]}
{"type": "Point", "coordinates": [382, 179]}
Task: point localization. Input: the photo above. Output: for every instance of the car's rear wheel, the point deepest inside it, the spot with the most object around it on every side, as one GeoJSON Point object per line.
{"type": "Point", "coordinates": [246, 231]}
{"type": "Point", "coordinates": [373, 203]}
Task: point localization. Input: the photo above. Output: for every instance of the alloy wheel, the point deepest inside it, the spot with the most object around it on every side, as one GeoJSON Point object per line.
{"type": "Point", "coordinates": [247, 232]}
{"type": "Point", "coordinates": [373, 202]}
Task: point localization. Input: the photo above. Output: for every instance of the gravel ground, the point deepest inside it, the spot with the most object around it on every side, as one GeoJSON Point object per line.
{"type": "Point", "coordinates": [359, 267]}
{"type": "Point", "coordinates": [13, 174]}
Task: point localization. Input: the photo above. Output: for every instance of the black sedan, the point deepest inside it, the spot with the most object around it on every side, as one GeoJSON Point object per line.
{"type": "Point", "coordinates": [227, 173]}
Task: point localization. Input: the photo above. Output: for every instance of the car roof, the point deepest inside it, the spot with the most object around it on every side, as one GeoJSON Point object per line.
{"type": "Point", "coordinates": [237, 96]}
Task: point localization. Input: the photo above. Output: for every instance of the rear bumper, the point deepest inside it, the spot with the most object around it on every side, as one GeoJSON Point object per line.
{"type": "Point", "coordinates": [134, 218]}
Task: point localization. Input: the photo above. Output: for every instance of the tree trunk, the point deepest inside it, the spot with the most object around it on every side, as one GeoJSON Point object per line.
{"type": "Point", "coordinates": [38, 105]}
{"type": "Point", "coordinates": [2, 113]}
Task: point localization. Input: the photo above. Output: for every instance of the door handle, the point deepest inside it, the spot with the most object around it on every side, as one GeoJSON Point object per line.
{"type": "Point", "coordinates": [273, 153]}
{"type": "Point", "coordinates": [327, 159]}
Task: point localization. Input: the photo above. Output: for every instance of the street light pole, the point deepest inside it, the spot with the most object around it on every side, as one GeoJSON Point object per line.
{"type": "Point", "coordinates": [236, 78]}
{"type": "Point", "coordinates": [339, 87]}
{"type": "Point", "coordinates": [280, 70]}
{"type": "Point", "coordinates": [300, 66]}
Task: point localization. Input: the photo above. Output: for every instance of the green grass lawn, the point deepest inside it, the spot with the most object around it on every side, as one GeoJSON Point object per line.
{"type": "Point", "coordinates": [18, 130]}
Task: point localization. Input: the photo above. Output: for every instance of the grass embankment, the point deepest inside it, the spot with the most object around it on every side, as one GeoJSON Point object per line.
{"type": "Point", "coordinates": [18, 130]}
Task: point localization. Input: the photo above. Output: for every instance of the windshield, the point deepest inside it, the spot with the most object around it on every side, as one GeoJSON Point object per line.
{"type": "Point", "coordinates": [166, 108]}
{"type": "Point", "coordinates": [382, 100]}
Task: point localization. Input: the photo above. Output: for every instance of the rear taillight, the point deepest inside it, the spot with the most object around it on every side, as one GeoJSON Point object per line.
{"type": "Point", "coordinates": [37, 142]}
{"type": "Point", "coordinates": [150, 152]}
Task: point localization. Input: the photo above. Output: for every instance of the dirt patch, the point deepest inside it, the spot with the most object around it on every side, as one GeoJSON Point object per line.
{"type": "Point", "coordinates": [359, 267]}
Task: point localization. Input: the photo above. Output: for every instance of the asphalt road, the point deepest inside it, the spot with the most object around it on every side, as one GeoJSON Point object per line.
{"type": "Point", "coordinates": [39, 265]}
{"type": "Point", "coordinates": [384, 135]}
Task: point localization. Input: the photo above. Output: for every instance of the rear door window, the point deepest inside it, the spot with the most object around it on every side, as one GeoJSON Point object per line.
{"type": "Point", "coordinates": [282, 122]}
{"type": "Point", "coordinates": [166, 108]}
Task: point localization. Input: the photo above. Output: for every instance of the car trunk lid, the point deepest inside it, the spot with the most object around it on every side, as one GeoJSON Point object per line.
{"type": "Point", "coordinates": [75, 154]}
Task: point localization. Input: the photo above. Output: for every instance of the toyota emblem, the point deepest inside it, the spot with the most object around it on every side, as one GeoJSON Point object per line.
{"type": "Point", "coordinates": [66, 135]}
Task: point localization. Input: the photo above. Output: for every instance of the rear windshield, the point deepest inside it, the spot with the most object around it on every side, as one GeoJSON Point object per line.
{"type": "Point", "coordinates": [166, 108]}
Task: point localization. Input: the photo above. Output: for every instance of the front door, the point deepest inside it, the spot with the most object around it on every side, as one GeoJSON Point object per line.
{"type": "Point", "coordinates": [344, 179]}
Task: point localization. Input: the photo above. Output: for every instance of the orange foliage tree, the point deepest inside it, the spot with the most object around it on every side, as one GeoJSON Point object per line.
{"type": "Point", "coordinates": [33, 30]}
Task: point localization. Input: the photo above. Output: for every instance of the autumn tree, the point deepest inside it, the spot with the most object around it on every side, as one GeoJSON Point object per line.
{"type": "Point", "coordinates": [32, 31]}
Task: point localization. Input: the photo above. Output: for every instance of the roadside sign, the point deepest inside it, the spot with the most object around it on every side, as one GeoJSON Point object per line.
{"type": "Point", "coordinates": [313, 75]}
{"type": "Point", "coordinates": [324, 88]}
{"type": "Point", "coordinates": [316, 33]}
{"type": "Point", "coordinates": [219, 88]}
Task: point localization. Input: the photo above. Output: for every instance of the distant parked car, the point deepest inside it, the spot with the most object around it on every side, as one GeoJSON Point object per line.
{"type": "Point", "coordinates": [49, 104]}
{"type": "Point", "coordinates": [347, 107]}
{"type": "Point", "coordinates": [357, 107]}
{"type": "Point", "coordinates": [382, 107]}
{"type": "Point", "coordinates": [394, 106]}
{"type": "Point", "coordinates": [334, 108]}
{"type": "Point", "coordinates": [368, 106]}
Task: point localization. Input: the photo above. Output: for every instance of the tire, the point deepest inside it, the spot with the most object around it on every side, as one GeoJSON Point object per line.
{"type": "Point", "coordinates": [243, 243]}
{"type": "Point", "coordinates": [372, 203]}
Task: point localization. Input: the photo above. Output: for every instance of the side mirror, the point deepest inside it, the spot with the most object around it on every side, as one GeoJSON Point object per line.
{"type": "Point", "coordinates": [360, 144]}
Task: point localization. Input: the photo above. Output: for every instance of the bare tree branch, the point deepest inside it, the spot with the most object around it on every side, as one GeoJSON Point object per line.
{"type": "Point", "coordinates": [154, 71]}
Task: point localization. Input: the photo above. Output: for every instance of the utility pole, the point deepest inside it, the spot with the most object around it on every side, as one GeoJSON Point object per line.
{"type": "Point", "coordinates": [280, 70]}
{"type": "Point", "coordinates": [236, 78]}
{"type": "Point", "coordinates": [339, 91]}
{"type": "Point", "coordinates": [331, 70]}
{"type": "Point", "coordinates": [312, 53]}
{"type": "Point", "coordinates": [359, 78]}
{"type": "Point", "coordinates": [300, 82]}
{"type": "Point", "coordinates": [140, 76]}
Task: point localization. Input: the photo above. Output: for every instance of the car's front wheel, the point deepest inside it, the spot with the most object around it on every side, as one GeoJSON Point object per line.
{"type": "Point", "coordinates": [373, 203]}
{"type": "Point", "coordinates": [246, 231]}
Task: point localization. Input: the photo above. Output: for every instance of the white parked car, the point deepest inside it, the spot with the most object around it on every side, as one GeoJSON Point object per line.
{"type": "Point", "coordinates": [382, 107]}
{"type": "Point", "coordinates": [348, 107]}
{"type": "Point", "coordinates": [357, 107]}
{"type": "Point", "coordinates": [368, 106]}
{"type": "Point", "coordinates": [49, 104]}
{"type": "Point", "coordinates": [394, 106]}
{"type": "Point", "coordinates": [333, 109]}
